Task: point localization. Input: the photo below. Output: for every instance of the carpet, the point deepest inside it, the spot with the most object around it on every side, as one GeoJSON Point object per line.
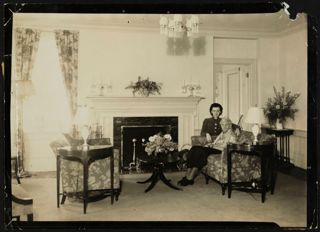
{"type": "Point", "coordinates": [199, 202]}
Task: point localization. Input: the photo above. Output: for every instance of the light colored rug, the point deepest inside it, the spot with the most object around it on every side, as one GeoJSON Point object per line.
{"type": "Point", "coordinates": [199, 202]}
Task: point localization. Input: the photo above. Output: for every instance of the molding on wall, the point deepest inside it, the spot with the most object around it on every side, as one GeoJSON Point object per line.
{"type": "Point", "coordinates": [293, 29]}
{"type": "Point", "coordinates": [300, 133]}
{"type": "Point", "coordinates": [214, 31]}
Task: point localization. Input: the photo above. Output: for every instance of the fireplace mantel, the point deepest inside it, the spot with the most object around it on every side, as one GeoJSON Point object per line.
{"type": "Point", "coordinates": [117, 102]}
{"type": "Point", "coordinates": [185, 108]}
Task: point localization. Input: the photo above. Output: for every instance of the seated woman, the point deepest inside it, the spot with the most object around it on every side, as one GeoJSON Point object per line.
{"type": "Point", "coordinates": [211, 126]}
{"type": "Point", "coordinates": [197, 156]}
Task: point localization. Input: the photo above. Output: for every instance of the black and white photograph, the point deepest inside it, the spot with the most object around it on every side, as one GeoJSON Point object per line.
{"type": "Point", "coordinates": [159, 117]}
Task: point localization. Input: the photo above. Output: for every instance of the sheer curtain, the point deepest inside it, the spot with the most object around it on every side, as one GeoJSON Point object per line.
{"type": "Point", "coordinates": [26, 45]}
{"type": "Point", "coordinates": [47, 110]}
{"type": "Point", "coordinates": [46, 113]}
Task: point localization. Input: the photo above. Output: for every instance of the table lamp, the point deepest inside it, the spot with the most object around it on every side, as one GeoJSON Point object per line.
{"type": "Point", "coordinates": [256, 117]}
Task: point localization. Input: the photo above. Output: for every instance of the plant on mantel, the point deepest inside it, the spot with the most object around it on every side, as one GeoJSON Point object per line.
{"type": "Point", "coordinates": [145, 87]}
{"type": "Point", "coordinates": [280, 107]}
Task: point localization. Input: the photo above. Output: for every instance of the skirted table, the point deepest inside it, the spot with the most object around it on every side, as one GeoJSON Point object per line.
{"type": "Point", "coordinates": [85, 156]}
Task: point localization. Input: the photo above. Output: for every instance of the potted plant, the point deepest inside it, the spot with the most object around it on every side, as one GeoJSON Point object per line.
{"type": "Point", "coordinates": [280, 107]}
{"type": "Point", "coordinates": [145, 87]}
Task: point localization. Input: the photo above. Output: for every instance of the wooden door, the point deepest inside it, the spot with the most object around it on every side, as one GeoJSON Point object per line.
{"type": "Point", "coordinates": [233, 90]}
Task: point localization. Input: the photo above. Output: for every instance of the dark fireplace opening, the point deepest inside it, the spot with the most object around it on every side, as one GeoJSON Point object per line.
{"type": "Point", "coordinates": [127, 129]}
{"type": "Point", "coordinates": [135, 150]}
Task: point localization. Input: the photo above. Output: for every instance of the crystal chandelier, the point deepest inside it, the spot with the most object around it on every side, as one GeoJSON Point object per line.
{"type": "Point", "coordinates": [176, 27]}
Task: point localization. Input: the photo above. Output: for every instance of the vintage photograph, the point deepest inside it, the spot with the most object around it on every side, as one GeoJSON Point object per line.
{"type": "Point", "coordinates": [159, 117]}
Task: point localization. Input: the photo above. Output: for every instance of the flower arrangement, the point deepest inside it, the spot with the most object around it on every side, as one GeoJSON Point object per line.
{"type": "Point", "coordinates": [159, 143]}
{"type": "Point", "coordinates": [145, 87]}
{"type": "Point", "coordinates": [280, 107]}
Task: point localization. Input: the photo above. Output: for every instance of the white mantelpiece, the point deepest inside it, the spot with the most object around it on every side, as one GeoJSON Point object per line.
{"type": "Point", "coordinates": [185, 108]}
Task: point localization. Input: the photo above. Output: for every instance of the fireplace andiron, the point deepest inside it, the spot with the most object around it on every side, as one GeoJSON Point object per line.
{"type": "Point", "coordinates": [133, 165]}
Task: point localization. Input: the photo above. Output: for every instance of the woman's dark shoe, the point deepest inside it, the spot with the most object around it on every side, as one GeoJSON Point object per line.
{"type": "Point", "coordinates": [182, 180]}
{"type": "Point", "coordinates": [186, 182]}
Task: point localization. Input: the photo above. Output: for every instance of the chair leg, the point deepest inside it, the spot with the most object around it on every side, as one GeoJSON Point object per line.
{"type": "Point", "coordinates": [30, 217]}
{"type": "Point", "coordinates": [229, 192]}
{"type": "Point", "coordinates": [64, 196]}
{"type": "Point", "coordinates": [223, 188]}
{"type": "Point", "coordinates": [207, 179]}
{"type": "Point", "coordinates": [112, 196]}
{"type": "Point", "coordinates": [273, 182]}
{"type": "Point", "coordinates": [263, 196]}
{"type": "Point", "coordinates": [263, 192]}
{"type": "Point", "coordinates": [17, 173]}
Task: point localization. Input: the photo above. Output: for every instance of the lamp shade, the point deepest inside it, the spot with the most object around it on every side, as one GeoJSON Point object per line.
{"type": "Point", "coordinates": [255, 115]}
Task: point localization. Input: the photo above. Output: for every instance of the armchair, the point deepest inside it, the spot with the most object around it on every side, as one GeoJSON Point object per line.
{"type": "Point", "coordinates": [22, 203]}
{"type": "Point", "coordinates": [245, 169]}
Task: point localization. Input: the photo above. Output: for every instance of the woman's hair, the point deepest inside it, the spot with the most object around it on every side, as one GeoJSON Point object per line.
{"type": "Point", "coordinates": [216, 105]}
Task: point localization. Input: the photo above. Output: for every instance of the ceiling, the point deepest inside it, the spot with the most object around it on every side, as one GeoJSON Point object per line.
{"type": "Point", "coordinates": [271, 22]}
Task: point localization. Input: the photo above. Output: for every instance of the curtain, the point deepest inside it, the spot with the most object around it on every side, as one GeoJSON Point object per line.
{"type": "Point", "coordinates": [68, 43]}
{"type": "Point", "coordinates": [26, 47]}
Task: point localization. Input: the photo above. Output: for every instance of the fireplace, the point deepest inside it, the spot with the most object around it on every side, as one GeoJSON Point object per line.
{"type": "Point", "coordinates": [128, 133]}
{"type": "Point", "coordinates": [110, 111]}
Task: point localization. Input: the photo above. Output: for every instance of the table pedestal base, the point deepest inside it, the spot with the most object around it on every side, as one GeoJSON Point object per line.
{"type": "Point", "coordinates": [157, 175]}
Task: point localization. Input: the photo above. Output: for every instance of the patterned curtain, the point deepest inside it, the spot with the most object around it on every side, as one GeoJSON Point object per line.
{"type": "Point", "coordinates": [26, 47]}
{"type": "Point", "coordinates": [67, 43]}
{"type": "Point", "coordinates": [27, 41]}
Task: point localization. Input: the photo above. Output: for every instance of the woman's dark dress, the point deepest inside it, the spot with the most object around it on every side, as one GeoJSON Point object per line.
{"type": "Point", "coordinates": [197, 156]}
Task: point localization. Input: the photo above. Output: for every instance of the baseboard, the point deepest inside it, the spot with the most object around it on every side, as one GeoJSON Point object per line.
{"type": "Point", "coordinates": [296, 172]}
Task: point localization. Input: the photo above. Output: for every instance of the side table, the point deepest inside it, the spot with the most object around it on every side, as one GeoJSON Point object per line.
{"type": "Point", "coordinates": [85, 156]}
{"type": "Point", "coordinates": [265, 152]}
{"type": "Point", "coordinates": [283, 137]}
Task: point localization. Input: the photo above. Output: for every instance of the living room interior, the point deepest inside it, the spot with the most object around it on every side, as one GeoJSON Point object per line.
{"type": "Point", "coordinates": [85, 67]}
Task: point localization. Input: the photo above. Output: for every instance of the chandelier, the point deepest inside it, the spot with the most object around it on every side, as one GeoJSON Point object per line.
{"type": "Point", "coordinates": [176, 27]}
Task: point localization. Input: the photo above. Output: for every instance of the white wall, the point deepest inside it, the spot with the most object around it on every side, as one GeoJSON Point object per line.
{"type": "Point", "coordinates": [293, 75]}
{"type": "Point", "coordinates": [283, 62]}
{"type": "Point", "coordinates": [231, 48]}
{"type": "Point", "coordinates": [120, 56]}
{"type": "Point", "coordinates": [268, 68]}
{"type": "Point", "coordinates": [293, 72]}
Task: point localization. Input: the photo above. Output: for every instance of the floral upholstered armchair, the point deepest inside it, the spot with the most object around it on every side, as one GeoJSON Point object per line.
{"type": "Point", "coordinates": [244, 168]}
{"type": "Point", "coordinates": [99, 174]}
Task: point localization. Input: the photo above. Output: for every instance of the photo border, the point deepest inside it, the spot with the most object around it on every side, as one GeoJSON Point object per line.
{"type": "Point", "coordinates": [158, 6]}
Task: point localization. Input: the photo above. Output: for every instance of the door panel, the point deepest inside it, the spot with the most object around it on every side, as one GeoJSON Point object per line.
{"type": "Point", "coordinates": [233, 90]}
{"type": "Point", "coordinates": [233, 95]}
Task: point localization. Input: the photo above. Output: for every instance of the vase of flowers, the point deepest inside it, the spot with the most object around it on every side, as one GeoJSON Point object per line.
{"type": "Point", "coordinates": [279, 125]}
{"type": "Point", "coordinates": [145, 87]}
{"type": "Point", "coordinates": [160, 144]}
{"type": "Point", "coordinates": [279, 108]}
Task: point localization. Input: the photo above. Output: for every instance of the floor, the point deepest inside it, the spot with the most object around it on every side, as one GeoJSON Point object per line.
{"type": "Point", "coordinates": [199, 202]}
